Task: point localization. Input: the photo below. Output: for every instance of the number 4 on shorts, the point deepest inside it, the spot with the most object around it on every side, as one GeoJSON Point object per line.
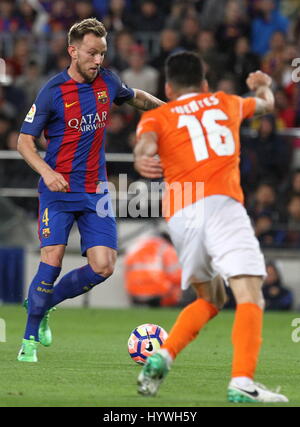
{"type": "Point", "coordinates": [45, 218]}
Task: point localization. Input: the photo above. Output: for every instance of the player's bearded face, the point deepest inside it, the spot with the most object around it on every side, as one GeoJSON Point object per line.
{"type": "Point", "coordinates": [88, 74]}
{"type": "Point", "coordinates": [90, 55]}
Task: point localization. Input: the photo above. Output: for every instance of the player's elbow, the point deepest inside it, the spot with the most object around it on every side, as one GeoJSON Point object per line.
{"type": "Point", "coordinates": [265, 106]}
{"type": "Point", "coordinates": [20, 144]}
{"type": "Point", "coordinates": [22, 141]}
{"type": "Point", "coordinates": [25, 144]}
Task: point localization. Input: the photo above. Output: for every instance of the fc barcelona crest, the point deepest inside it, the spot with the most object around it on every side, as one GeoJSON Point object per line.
{"type": "Point", "coordinates": [102, 96]}
{"type": "Point", "coordinates": [46, 232]}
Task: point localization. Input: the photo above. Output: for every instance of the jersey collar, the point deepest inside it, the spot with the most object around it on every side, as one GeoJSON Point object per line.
{"type": "Point", "coordinates": [187, 95]}
{"type": "Point", "coordinates": [67, 76]}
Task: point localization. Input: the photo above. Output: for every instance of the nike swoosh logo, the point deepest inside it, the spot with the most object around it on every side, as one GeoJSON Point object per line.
{"type": "Point", "coordinates": [149, 347]}
{"type": "Point", "coordinates": [46, 284]}
{"type": "Point", "coordinates": [70, 105]}
{"type": "Point", "coordinates": [251, 393]}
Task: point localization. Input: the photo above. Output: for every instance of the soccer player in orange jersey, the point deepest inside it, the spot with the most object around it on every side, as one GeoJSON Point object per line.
{"type": "Point", "coordinates": [196, 136]}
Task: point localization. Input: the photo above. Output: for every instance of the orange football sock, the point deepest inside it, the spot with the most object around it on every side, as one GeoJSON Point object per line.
{"type": "Point", "coordinates": [188, 325]}
{"type": "Point", "coordinates": [246, 339]}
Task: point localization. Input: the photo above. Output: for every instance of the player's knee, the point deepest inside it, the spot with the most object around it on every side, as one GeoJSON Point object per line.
{"type": "Point", "coordinates": [248, 289]}
{"type": "Point", "coordinates": [212, 292]}
{"type": "Point", "coordinates": [107, 271]}
{"type": "Point", "coordinates": [217, 302]}
{"type": "Point", "coordinates": [261, 302]}
{"type": "Point", "coordinates": [52, 255]}
{"type": "Point", "coordinates": [220, 300]}
{"type": "Point", "coordinates": [219, 292]}
{"type": "Point", "coordinates": [103, 262]}
{"type": "Point", "coordinates": [249, 298]}
{"type": "Point", "coordinates": [104, 269]}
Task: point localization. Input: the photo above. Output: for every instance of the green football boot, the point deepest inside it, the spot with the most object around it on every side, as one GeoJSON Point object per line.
{"type": "Point", "coordinates": [28, 352]}
{"type": "Point", "coordinates": [152, 375]}
{"type": "Point", "coordinates": [45, 335]}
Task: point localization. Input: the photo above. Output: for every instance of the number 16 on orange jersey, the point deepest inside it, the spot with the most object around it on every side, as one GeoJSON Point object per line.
{"type": "Point", "coordinates": [220, 137]}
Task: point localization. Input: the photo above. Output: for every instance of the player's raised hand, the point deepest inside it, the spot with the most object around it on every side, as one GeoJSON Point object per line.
{"type": "Point", "coordinates": [257, 79]}
{"type": "Point", "coordinates": [55, 181]}
{"type": "Point", "coordinates": [148, 167]}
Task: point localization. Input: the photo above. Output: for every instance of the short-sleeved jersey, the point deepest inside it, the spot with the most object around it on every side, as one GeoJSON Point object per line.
{"type": "Point", "coordinates": [198, 142]}
{"type": "Point", "coordinates": [73, 117]}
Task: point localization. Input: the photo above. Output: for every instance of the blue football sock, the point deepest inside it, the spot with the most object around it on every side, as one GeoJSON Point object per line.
{"type": "Point", "coordinates": [39, 297]}
{"type": "Point", "coordinates": [74, 283]}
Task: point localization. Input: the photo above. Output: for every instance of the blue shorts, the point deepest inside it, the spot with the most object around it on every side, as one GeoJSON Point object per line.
{"type": "Point", "coordinates": [93, 213]}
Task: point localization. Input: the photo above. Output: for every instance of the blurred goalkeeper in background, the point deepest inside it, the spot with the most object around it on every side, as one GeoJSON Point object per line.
{"type": "Point", "coordinates": [73, 111]}
{"type": "Point", "coordinates": [196, 136]}
{"type": "Point", "coordinates": [152, 272]}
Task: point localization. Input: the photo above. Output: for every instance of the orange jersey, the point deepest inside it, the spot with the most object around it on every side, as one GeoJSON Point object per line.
{"type": "Point", "coordinates": [199, 142]}
{"type": "Point", "coordinates": [152, 269]}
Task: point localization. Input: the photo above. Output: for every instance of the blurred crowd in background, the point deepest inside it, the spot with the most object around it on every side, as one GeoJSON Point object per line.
{"type": "Point", "coordinates": [234, 37]}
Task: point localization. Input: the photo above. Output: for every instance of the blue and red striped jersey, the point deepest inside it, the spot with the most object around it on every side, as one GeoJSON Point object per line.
{"type": "Point", "coordinates": [73, 117]}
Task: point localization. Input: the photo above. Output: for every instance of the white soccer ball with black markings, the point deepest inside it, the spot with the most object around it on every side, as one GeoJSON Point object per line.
{"type": "Point", "coordinates": [144, 341]}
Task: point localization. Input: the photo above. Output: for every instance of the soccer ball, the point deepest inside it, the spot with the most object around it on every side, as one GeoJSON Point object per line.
{"type": "Point", "coordinates": [144, 341]}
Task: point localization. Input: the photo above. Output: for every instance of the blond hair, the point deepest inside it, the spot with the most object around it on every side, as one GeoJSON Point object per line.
{"type": "Point", "coordinates": [80, 29]}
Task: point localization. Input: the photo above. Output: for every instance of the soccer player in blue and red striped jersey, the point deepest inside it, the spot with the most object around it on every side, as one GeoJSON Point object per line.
{"type": "Point", "coordinates": [73, 110]}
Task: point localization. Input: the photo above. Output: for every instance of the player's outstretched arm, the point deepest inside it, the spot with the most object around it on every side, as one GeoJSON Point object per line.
{"type": "Point", "coordinates": [27, 148]}
{"type": "Point", "coordinates": [145, 160]}
{"type": "Point", "coordinates": [144, 101]}
{"type": "Point", "coordinates": [261, 84]}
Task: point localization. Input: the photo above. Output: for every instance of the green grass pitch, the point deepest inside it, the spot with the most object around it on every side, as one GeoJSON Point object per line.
{"type": "Point", "coordinates": [88, 363]}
